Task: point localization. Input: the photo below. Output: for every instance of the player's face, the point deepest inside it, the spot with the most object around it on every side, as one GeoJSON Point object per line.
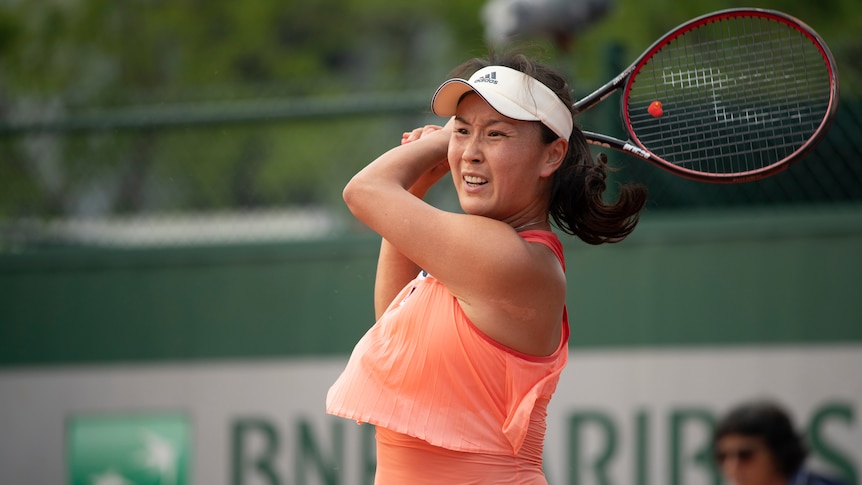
{"type": "Point", "coordinates": [499, 165]}
{"type": "Point", "coordinates": [745, 460]}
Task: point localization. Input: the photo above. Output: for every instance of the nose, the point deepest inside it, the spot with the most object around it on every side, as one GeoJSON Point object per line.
{"type": "Point", "coordinates": [730, 470]}
{"type": "Point", "coordinates": [472, 151]}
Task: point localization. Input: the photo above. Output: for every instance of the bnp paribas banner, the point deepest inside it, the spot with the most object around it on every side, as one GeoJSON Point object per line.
{"type": "Point", "coordinates": [620, 417]}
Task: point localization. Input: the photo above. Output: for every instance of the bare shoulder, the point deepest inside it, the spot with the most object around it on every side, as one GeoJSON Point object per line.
{"type": "Point", "coordinates": [522, 308]}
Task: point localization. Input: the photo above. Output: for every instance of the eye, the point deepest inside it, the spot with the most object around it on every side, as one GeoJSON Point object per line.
{"type": "Point", "coordinates": [496, 133]}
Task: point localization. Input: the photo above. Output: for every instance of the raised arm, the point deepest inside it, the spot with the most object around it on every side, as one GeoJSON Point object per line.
{"type": "Point", "coordinates": [512, 290]}
{"type": "Point", "coordinates": [394, 269]}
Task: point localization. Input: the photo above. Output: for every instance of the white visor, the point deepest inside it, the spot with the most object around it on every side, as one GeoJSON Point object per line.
{"type": "Point", "coordinates": [512, 93]}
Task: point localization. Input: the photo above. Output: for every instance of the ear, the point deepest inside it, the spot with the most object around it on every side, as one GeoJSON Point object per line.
{"type": "Point", "coordinates": [556, 152]}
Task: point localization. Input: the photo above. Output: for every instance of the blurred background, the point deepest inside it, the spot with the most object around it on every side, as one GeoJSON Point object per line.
{"type": "Point", "coordinates": [174, 250]}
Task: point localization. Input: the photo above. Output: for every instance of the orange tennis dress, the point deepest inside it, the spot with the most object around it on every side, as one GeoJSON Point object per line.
{"type": "Point", "coordinates": [450, 404]}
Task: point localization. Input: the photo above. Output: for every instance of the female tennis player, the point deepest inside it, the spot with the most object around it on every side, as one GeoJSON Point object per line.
{"type": "Point", "coordinates": [472, 330]}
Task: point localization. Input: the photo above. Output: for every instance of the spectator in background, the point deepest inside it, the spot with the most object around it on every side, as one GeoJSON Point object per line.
{"type": "Point", "coordinates": [755, 444]}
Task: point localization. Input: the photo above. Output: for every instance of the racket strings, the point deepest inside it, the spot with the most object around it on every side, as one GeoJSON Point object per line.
{"type": "Point", "coordinates": [738, 95]}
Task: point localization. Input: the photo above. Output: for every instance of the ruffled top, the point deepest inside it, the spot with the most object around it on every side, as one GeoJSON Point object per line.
{"type": "Point", "coordinates": [426, 371]}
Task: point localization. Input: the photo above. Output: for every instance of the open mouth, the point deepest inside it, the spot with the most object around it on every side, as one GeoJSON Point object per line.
{"type": "Point", "coordinates": [472, 180]}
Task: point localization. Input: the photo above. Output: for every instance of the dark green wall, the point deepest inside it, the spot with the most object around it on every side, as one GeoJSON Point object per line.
{"type": "Point", "coordinates": [730, 278]}
{"type": "Point", "coordinates": [75, 306]}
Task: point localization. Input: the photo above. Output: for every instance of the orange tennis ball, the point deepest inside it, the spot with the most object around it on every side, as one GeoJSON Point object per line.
{"type": "Point", "coordinates": [655, 109]}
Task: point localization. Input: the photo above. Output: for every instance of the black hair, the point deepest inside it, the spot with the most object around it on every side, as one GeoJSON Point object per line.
{"type": "Point", "coordinates": [769, 422]}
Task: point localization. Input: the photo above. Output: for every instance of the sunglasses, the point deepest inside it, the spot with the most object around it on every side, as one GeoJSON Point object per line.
{"type": "Point", "coordinates": [742, 455]}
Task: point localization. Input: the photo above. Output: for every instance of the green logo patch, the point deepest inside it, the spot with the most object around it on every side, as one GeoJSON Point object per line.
{"type": "Point", "coordinates": [146, 449]}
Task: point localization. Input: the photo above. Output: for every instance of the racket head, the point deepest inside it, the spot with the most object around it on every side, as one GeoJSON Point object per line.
{"type": "Point", "coordinates": [743, 94]}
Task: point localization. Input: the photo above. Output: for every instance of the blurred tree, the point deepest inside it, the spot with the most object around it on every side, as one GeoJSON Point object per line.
{"type": "Point", "coordinates": [60, 58]}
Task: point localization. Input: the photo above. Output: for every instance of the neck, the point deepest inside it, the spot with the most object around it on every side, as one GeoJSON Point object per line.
{"type": "Point", "coordinates": [531, 223]}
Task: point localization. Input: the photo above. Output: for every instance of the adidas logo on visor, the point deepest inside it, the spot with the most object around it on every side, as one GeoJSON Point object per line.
{"type": "Point", "coordinates": [487, 78]}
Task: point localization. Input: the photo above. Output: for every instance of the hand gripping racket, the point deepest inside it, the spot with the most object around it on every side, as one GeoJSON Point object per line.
{"type": "Point", "coordinates": [732, 96]}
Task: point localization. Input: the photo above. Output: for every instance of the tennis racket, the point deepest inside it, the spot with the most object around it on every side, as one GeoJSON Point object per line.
{"type": "Point", "coordinates": [732, 96]}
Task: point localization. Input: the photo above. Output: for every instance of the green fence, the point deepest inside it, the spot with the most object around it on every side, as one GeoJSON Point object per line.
{"type": "Point", "coordinates": [732, 278]}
